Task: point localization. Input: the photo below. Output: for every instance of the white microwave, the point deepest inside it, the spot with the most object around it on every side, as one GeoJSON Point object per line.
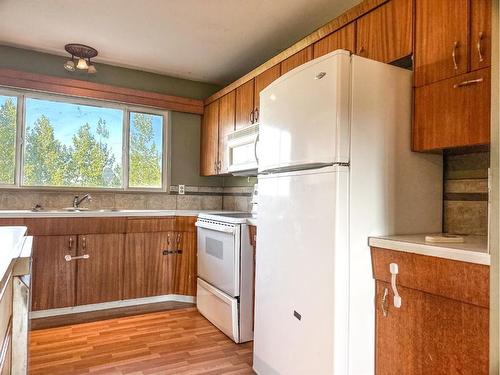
{"type": "Point", "coordinates": [242, 151]}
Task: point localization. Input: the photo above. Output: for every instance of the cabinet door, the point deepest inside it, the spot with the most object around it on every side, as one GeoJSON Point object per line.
{"type": "Point", "coordinates": [244, 105]}
{"type": "Point", "coordinates": [159, 263]}
{"type": "Point", "coordinates": [227, 116]}
{"type": "Point", "coordinates": [134, 265]}
{"type": "Point", "coordinates": [99, 274]}
{"type": "Point", "coordinates": [209, 149]}
{"type": "Point", "coordinates": [53, 277]}
{"type": "Point", "coordinates": [261, 82]}
{"type": "Point", "coordinates": [385, 34]}
{"type": "Point", "coordinates": [296, 60]}
{"type": "Point", "coordinates": [480, 34]}
{"type": "Point", "coordinates": [453, 113]}
{"type": "Point", "coordinates": [340, 39]}
{"type": "Point", "coordinates": [184, 279]}
{"type": "Point", "coordinates": [441, 44]}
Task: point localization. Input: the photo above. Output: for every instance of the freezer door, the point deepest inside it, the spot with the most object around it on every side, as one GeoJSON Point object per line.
{"type": "Point", "coordinates": [304, 115]}
{"type": "Point", "coordinates": [301, 307]}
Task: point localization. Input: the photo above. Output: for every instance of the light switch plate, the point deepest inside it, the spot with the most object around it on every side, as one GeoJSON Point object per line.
{"type": "Point", "coordinates": [182, 189]}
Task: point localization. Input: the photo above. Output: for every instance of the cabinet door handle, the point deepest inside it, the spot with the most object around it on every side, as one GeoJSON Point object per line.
{"type": "Point", "coordinates": [454, 55]}
{"type": "Point", "coordinates": [393, 267]}
{"type": "Point", "coordinates": [84, 243]}
{"type": "Point", "coordinates": [168, 238]}
{"type": "Point", "coordinates": [171, 252]}
{"type": "Point", "coordinates": [179, 236]}
{"type": "Point", "coordinates": [219, 166]}
{"type": "Point", "coordinates": [215, 166]}
{"type": "Point", "coordinates": [479, 40]}
{"type": "Point", "coordinates": [383, 303]}
{"type": "Point", "coordinates": [70, 244]}
{"type": "Point", "coordinates": [69, 258]}
{"type": "Point", "coordinates": [467, 83]}
{"type": "Point", "coordinates": [256, 112]}
{"type": "Point", "coordinates": [252, 117]}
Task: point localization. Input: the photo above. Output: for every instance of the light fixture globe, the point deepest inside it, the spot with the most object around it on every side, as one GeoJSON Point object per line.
{"type": "Point", "coordinates": [82, 64]}
{"type": "Point", "coordinates": [91, 69]}
{"type": "Point", "coordinates": [69, 66]}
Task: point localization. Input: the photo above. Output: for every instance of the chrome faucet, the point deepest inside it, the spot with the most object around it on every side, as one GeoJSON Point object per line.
{"type": "Point", "coordinates": [77, 201]}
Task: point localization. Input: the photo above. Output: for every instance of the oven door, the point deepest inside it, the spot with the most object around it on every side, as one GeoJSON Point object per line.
{"type": "Point", "coordinates": [219, 255]}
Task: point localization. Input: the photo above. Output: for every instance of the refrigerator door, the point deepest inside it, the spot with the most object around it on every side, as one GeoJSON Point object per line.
{"type": "Point", "coordinates": [301, 306]}
{"type": "Point", "coordinates": [304, 115]}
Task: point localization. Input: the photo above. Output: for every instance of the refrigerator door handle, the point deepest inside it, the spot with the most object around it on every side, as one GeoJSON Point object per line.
{"type": "Point", "coordinates": [300, 167]}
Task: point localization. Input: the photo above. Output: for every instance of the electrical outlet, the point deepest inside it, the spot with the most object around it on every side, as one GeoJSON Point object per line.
{"type": "Point", "coordinates": [182, 189]}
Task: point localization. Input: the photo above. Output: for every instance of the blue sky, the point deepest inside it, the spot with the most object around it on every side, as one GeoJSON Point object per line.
{"type": "Point", "coordinates": [66, 118]}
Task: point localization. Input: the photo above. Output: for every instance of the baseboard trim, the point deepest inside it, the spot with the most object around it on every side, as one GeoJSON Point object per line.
{"type": "Point", "coordinates": [111, 305]}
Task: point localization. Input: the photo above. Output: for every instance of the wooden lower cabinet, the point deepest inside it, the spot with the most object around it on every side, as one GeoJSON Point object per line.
{"type": "Point", "coordinates": [99, 277]}
{"type": "Point", "coordinates": [53, 277]}
{"type": "Point", "coordinates": [159, 263]}
{"type": "Point", "coordinates": [430, 333]}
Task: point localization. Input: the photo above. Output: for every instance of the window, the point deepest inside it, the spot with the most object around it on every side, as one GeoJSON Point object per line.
{"type": "Point", "coordinates": [80, 143]}
{"type": "Point", "coordinates": [8, 130]}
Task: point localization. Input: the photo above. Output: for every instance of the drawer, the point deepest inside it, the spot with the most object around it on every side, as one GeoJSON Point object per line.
{"type": "Point", "coordinates": [5, 306]}
{"type": "Point", "coordinates": [75, 225]}
{"type": "Point", "coordinates": [219, 308]}
{"type": "Point", "coordinates": [454, 112]}
{"type": "Point", "coordinates": [462, 281]}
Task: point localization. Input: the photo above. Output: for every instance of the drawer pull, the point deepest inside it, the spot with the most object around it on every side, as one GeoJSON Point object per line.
{"type": "Point", "coordinates": [467, 83]}
{"type": "Point", "coordinates": [171, 252]}
{"type": "Point", "coordinates": [393, 267]}
{"type": "Point", "coordinates": [383, 304]}
{"type": "Point", "coordinates": [454, 55]}
{"type": "Point", "coordinates": [69, 258]}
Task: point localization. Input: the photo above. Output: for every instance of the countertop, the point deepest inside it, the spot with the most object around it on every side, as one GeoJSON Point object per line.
{"type": "Point", "coordinates": [12, 240]}
{"type": "Point", "coordinates": [473, 250]}
{"type": "Point", "coordinates": [101, 213]}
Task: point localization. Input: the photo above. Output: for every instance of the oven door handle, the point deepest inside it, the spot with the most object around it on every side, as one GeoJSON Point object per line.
{"type": "Point", "coordinates": [215, 227]}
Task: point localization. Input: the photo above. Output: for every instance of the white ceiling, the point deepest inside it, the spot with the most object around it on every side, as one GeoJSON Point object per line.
{"type": "Point", "coordinates": [206, 40]}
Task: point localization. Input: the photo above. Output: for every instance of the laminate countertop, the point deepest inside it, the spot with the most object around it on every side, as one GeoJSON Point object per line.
{"type": "Point", "coordinates": [101, 213]}
{"type": "Point", "coordinates": [12, 246]}
{"type": "Point", "coordinates": [474, 249]}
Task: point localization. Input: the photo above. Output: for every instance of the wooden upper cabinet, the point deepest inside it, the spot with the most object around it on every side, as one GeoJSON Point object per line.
{"type": "Point", "coordinates": [227, 117]}
{"type": "Point", "coordinates": [385, 34]}
{"type": "Point", "coordinates": [441, 40]}
{"type": "Point", "coordinates": [454, 112]}
{"type": "Point", "coordinates": [261, 82]}
{"type": "Point", "coordinates": [480, 34]}
{"type": "Point", "coordinates": [99, 277]}
{"type": "Point", "coordinates": [343, 38]}
{"type": "Point", "coordinates": [244, 105]}
{"type": "Point", "coordinates": [297, 59]}
{"type": "Point", "coordinates": [209, 150]}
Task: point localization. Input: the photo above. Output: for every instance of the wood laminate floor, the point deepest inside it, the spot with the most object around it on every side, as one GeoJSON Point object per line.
{"type": "Point", "coordinates": [171, 342]}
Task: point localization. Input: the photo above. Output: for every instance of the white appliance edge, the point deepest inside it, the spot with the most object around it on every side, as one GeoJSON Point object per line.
{"type": "Point", "coordinates": [391, 190]}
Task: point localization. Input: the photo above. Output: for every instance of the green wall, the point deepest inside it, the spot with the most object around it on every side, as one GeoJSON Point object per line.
{"type": "Point", "coordinates": [185, 127]}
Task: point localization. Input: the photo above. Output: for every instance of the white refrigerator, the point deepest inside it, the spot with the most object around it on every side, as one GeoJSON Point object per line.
{"type": "Point", "coordinates": [335, 167]}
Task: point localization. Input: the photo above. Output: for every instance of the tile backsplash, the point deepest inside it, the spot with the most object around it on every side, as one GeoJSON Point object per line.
{"type": "Point", "coordinates": [465, 206]}
{"type": "Point", "coordinates": [195, 198]}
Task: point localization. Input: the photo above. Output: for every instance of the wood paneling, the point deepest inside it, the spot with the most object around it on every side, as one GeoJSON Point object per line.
{"type": "Point", "coordinates": [184, 281]}
{"type": "Point", "coordinates": [347, 17]}
{"type": "Point", "coordinates": [385, 34]}
{"type": "Point", "coordinates": [11, 222]}
{"type": "Point", "coordinates": [227, 118]}
{"type": "Point", "coordinates": [340, 39]}
{"type": "Point", "coordinates": [209, 140]}
{"type": "Point", "coordinates": [244, 105]}
{"type": "Point", "coordinates": [430, 334]}
{"type": "Point", "coordinates": [158, 265]}
{"type": "Point", "coordinates": [150, 224]}
{"type": "Point", "coordinates": [134, 271]}
{"type": "Point", "coordinates": [177, 342]}
{"type": "Point", "coordinates": [99, 278]}
{"type": "Point", "coordinates": [462, 281]}
{"type": "Point", "coordinates": [261, 82]}
{"type": "Point", "coordinates": [53, 277]}
{"type": "Point", "coordinates": [438, 25]}
{"type": "Point", "coordinates": [86, 89]}
{"type": "Point", "coordinates": [480, 34]}
{"type": "Point", "coordinates": [75, 225]}
{"type": "Point", "coordinates": [447, 115]}
{"type": "Point", "coordinates": [185, 223]}
{"type": "Point", "coordinates": [297, 59]}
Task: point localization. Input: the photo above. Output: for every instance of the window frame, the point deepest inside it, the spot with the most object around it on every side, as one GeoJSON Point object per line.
{"type": "Point", "coordinates": [22, 95]}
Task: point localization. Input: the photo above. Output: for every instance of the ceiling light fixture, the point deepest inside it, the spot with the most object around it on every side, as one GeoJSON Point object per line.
{"type": "Point", "coordinates": [80, 58]}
